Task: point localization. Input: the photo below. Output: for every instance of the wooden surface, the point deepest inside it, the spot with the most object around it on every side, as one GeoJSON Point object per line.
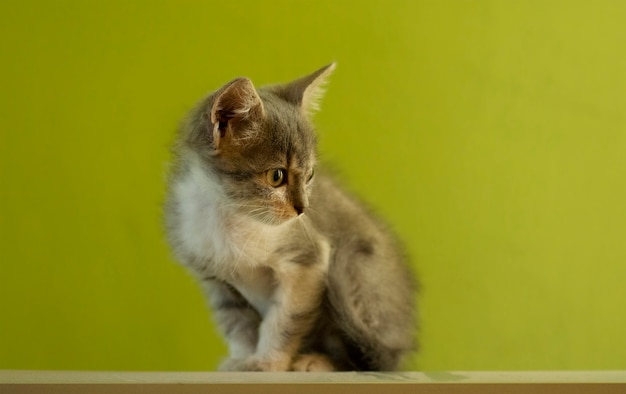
{"type": "Point", "coordinates": [304, 383]}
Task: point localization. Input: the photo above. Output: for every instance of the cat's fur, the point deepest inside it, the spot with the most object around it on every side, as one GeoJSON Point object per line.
{"type": "Point", "coordinates": [300, 275]}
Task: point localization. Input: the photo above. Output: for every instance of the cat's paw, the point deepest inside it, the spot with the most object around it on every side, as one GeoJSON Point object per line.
{"type": "Point", "coordinates": [239, 365]}
{"type": "Point", "coordinates": [253, 364]}
{"type": "Point", "coordinates": [313, 362]}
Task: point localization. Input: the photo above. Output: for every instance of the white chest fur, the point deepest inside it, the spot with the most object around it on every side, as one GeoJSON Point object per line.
{"type": "Point", "coordinates": [231, 247]}
{"type": "Point", "coordinates": [207, 228]}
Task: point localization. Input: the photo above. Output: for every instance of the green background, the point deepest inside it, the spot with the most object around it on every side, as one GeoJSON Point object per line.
{"type": "Point", "coordinates": [491, 134]}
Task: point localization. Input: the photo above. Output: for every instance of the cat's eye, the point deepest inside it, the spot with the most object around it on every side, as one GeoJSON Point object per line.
{"type": "Point", "coordinates": [276, 177]}
{"type": "Point", "coordinates": [310, 178]}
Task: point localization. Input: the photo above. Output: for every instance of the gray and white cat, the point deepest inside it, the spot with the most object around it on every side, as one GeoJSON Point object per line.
{"type": "Point", "coordinates": [299, 274]}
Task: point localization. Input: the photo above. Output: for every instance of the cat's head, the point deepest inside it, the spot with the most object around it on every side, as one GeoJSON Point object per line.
{"type": "Point", "coordinates": [260, 144]}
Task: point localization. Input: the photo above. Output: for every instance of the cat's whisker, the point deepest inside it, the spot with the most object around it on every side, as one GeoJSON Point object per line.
{"type": "Point", "coordinates": [254, 211]}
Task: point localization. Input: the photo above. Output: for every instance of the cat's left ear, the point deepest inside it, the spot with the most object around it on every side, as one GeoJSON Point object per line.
{"type": "Point", "coordinates": [306, 92]}
{"type": "Point", "coordinates": [235, 107]}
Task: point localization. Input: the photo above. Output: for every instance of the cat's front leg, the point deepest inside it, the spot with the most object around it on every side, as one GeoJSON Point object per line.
{"type": "Point", "coordinates": [237, 321]}
{"type": "Point", "coordinates": [301, 280]}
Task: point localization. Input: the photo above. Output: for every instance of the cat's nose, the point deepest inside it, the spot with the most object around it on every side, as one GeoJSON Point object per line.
{"type": "Point", "coordinates": [299, 209]}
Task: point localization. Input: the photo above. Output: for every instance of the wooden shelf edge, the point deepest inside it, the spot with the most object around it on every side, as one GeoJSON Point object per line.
{"type": "Point", "coordinates": [418, 378]}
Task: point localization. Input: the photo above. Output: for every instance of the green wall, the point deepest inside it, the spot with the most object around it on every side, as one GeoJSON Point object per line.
{"type": "Point", "coordinates": [492, 134]}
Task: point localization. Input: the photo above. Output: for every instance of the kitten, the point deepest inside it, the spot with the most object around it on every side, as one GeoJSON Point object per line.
{"type": "Point", "coordinates": [299, 274]}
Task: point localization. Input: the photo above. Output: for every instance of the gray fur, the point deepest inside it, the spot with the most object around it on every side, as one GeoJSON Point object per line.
{"type": "Point", "coordinates": [325, 290]}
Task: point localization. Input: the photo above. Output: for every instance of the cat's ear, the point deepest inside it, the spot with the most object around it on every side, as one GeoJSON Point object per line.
{"type": "Point", "coordinates": [306, 92]}
{"type": "Point", "coordinates": [236, 106]}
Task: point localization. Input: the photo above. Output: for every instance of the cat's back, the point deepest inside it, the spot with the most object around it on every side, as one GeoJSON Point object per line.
{"type": "Point", "coordinates": [358, 237]}
{"type": "Point", "coordinates": [345, 218]}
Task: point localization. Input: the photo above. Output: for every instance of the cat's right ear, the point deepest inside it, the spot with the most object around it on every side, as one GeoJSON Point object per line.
{"type": "Point", "coordinates": [235, 106]}
{"type": "Point", "coordinates": [306, 92]}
